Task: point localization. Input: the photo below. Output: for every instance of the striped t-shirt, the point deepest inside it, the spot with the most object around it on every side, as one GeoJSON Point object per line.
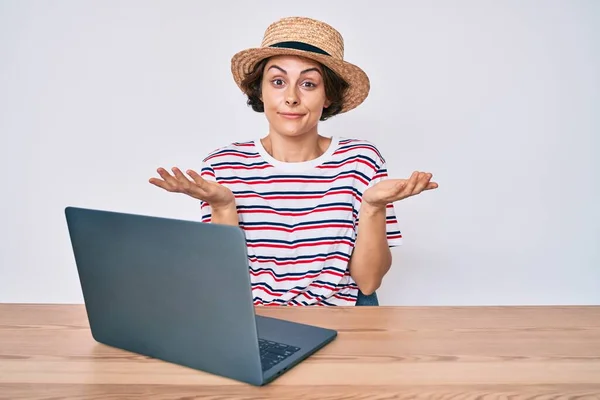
{"type": "Point", "coordinates": [300, 219]}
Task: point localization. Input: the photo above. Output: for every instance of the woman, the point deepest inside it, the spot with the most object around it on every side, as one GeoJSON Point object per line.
{"type": "Point", "coordinates": [317, 212]}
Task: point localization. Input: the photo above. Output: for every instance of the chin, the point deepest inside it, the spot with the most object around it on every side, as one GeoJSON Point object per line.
{"type": "Point", "coordinates": [291, 130]}
{"type": "Point", "coordinates": [292, 133]}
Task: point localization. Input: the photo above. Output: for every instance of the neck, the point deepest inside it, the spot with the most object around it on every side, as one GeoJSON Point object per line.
{"type": "Point", "coordinates": [301, 148]}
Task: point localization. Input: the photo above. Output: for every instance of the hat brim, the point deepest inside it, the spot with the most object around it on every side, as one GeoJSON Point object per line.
{"type": "Point", "coordinates": [243, 62]}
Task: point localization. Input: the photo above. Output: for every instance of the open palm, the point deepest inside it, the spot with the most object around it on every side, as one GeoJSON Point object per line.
{"type": "Point", "coordinates": [391, 190]}
{"type": "Point", "coordinates": [213, 193]}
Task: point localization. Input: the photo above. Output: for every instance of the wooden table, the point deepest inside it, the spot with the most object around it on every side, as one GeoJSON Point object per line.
{"type": "Point", "coordinates": [46, 352]}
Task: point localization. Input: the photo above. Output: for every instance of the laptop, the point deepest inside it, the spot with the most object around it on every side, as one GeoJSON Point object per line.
{"type": "Point", "coordinates": [179, 291]}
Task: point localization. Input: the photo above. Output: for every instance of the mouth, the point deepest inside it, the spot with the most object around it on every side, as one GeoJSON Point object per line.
{"type": "Point", "coordinates": [291, 115]}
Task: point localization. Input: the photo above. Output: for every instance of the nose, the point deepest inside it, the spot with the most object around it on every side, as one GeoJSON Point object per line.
{"type": "Point", "coordinates": [291, 97]}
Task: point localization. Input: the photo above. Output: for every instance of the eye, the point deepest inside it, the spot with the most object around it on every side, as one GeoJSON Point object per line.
{"type": "Point", "coordinates": [277, 82]}
{"type": "Point", "coordinates": [308, 84]}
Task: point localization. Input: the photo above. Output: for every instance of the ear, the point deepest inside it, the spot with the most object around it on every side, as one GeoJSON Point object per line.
{"type": "Point", "coordinates": [327, 103]}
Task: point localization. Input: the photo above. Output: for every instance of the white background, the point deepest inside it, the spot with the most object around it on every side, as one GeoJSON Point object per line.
{"type": "Point", "coordinates": [499, 100]}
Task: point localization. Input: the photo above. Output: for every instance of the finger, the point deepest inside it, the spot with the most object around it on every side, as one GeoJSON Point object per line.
{"type": "Point", "coordinates": [179, 175]}
{"type": "Point", "coordinates": [160, 183]}
{"type": "Point", "coordinates": [422, 182]}
{"type": "Point", "coordinates": [201, 186]}
{"type": "Point", "coordinates": [167, 177]}
{"type": "Point", "coordinates": [196, 177]}
{"type": "Point", "coordinates": [184, 182]}
{"type": "Point", "coordinates": [410, 185]}
{"type": "Point", "coordinates": [431, 185]}
{"type": "Point", "coordinates": [163, 173]}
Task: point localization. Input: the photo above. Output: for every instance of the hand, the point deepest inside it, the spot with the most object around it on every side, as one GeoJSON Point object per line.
{"type": "Point", "coordinates": [391, 190]}
{"type": "Point", "coordinates": [215, 194]}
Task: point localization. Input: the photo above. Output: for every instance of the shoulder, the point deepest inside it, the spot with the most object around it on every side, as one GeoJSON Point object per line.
{"type": "Point", "coordinates": [360, 147]}
{"type": "Point", "coordinates": [235, 151]}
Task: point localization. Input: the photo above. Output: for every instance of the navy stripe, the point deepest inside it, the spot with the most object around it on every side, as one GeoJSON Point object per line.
{"type": "Point", "coordinates": [232, 163]}
{"type": "Point", "coordinates": [309, 223]}
{"type": "Point", "coordinates": [321, 271]}
{"type": "Point", "coordinates": [304, 257]}
{"type": "Point", "coordinates": [290, 242]}
{"type": "Point", "coordinates": [264, 284]}
{"type": "Point", "coordinates": [229, 151]}
{"type": "Point", "coordinates": [312, 177]}
{"type": "Point", "coordinates": [325, 205]}
{"type": "Point", "coordinates": [357, 144]}
{"type": "Point", "coordinates": [353, 157]}
{"type": "Point", "coordinates": [290, 192]}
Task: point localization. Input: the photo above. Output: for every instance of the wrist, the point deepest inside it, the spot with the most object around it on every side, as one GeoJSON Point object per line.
{"type": "Point", "coordinates": [223, 208]}
{"type": "Point", "coordinates": [369, 209]}
{"type": "Point", "coordinates": [226, 215]}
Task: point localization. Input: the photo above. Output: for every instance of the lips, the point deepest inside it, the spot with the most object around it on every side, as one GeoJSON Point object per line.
{"type": "Point", "coordinates": [291, 115]}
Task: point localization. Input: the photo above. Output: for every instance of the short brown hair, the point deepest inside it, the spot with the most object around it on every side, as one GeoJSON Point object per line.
{"type": "Point", "coordinates": [335, 88]}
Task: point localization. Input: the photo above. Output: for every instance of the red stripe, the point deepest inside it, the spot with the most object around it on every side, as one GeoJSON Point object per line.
{"type": "Point", "coordinates": [359, 146]}
{"type": "Point", "coordinates": [338, 296]}
{"type": "Point", "coordinates": [291, 230]}
{"type": "Point", "coordinates": [267, 291]}
{"type": "Point", "coordinates": [360, 160]}
{"type": "Point", "coordinates": [296, 197]}
{"type": "Point", "coordinates": [295, 262]}
{"type": "Point", "coordinates": [320, 286]}
{"type": "Point", "coordinates": [233, 153]}
{"type": "Point", "coordinates": [287, 278]}
{"type": "Point", "coordinates": [244, 167]}
{"type": "Point", "coordinates": [295, 246]}
{"type": "Point", "coordinates": [334, 273]}
{"type": "Point", "coordinates": [298, 180]}
{"type": "Point", "coordinates": [308, 297]}
{"type": "Point", "coordinates": [290, 214]}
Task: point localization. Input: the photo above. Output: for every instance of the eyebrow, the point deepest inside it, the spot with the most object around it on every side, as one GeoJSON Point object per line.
{"type": "Point", "coordinates": [302, 72]}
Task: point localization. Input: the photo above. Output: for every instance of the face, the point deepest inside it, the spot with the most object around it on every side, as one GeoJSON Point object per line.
{"type": "Point", "coordinates": [293, 94]}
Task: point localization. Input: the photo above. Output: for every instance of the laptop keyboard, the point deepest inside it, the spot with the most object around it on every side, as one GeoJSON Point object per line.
{"type": "Point", "coordinates": [272, 353]}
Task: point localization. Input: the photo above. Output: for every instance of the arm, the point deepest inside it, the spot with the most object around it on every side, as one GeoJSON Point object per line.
{"type": "Point", "coordinates": [222, 209]}
{"type": "Point", "coordinates": [371, 258]}
{"type": "Point", "coordinates": [216, 200]}
{"type": "Point", "coordinates": [225, 215]}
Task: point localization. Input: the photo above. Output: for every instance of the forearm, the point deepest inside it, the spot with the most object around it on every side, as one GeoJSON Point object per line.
{"type": "Point", "coordinates": [225, 215]}
{"type": "Point", "coordinates": [371, 258]}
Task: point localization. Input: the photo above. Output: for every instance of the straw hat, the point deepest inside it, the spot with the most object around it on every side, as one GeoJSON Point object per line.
{"type": "Point", "coordinates": [308, 38]}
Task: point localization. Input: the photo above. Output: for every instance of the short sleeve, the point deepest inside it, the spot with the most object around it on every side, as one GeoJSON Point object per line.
{"type": "Point", "coordinates": [208, 173]}
{"type": "Point", "coordinates": [394, 236]}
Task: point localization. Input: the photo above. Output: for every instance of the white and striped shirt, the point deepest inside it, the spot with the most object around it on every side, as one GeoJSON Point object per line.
{"type": "Point", "coordinates": [300, 219]}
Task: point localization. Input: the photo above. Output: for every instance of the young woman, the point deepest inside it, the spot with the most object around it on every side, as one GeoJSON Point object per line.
{"type": "Point", "coordinates": [317, 212]}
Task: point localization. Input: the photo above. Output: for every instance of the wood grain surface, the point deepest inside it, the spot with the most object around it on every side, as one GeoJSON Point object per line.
{"type": "Point", "coordinates": [47, 352]}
